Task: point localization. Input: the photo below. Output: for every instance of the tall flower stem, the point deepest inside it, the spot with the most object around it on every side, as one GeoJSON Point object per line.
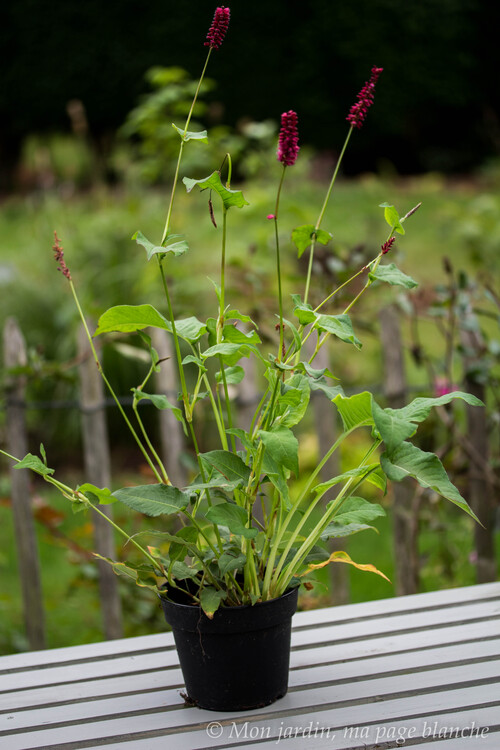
{"type": "Point", "coordinates": [322, 213]}
{"type": "Point", "coordinates": [278, 261]}
{"type": "Point", "coordinates": [181, 149]}
{"type": "Point", "coordinates": [110, 388]}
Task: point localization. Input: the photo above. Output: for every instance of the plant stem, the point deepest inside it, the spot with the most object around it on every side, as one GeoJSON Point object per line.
{"type": "Point", "coordinates": [109, 387]}
{"type": "Point", "coordinates": [322, 213]}
{"type": "Point", "coordinates": [181, 149]}
{"type": "Point", "coordinates": [278, 263]}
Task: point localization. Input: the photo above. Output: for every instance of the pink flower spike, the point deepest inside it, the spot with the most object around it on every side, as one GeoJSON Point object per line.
{"type": "Point", "coordinates": [387, 245]}
{"type": "Point", "coordinates": [218, 29]}
{"type": "Point", "coordinates": [271, 216]}
{"type": "Point", "coordinates": [59, 257]}
{"type": "Point", "coordinates": [288, 144]}
{"type": "Point", "coordinates": [359, 110]}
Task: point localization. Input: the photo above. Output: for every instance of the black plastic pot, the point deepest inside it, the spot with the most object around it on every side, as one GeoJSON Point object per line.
{"type": "Point", "coordinates": [238, 660]}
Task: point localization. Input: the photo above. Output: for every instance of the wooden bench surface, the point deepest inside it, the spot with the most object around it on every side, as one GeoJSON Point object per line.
{"type": "Point", "coordinates": [419, 671]}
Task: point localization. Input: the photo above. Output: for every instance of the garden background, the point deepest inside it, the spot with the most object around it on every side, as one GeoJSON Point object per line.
{"type": "Point", "coordinates": [86, 147]}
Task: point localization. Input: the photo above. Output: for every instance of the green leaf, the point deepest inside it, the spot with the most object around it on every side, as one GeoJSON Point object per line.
{"type": "Point", "coordinates": [190, 329]}
{"type": "Point", "coordinates": [227, 563]}
{"type": "Point", "coordinates": [409, 461]}
{"type": "Point", "coordinates": [396, 425]}
{"type": "Point", "coordinates": [233, 335]}
{"type": "Point", "coordinates": [103, 496]}
{"type": "Point", "coordinates": [339, 326]}
{"type": "Point", "coordinates": [236, 315]}
{"type": "Point", "coordinates": [210, 600]}
{"type": "Point", "coordinates": [176, 248]}
{"type": "Point", "coordinates": [153, 499]}
{"type": "Point", "coordinates": [35, 464]}
{"type": "Point", "coordinates": [358, 510]}
{"type": "Point", "coordinates": [338, 530]}
{"type": "Point", "coordinates": [282, 446]}
{"type": "Point", "coordinates": [303, 236]}
{"type": "Point", "coordinates": [303, 310]}
{"type": "Point", "coordinates": [190, 135]}
{"type": "Point", "coordinates": [213, 182]}
{"type": "Point", "coordinates": [128, 318]}
{"type": "Point", "coordinates": [391, 274]}
{"type": "Point", "coordinates": [295, 400]}
{"type": "Point", "coordinates": [234, 375]}
{"type": "Point", "coordinates": [233, 516]}
{"type": "Point", "coordinates": [141, 575]}
{"type": "Point", "coordinates": [229, 465]}
{"type": "Point", "coordinates": [356, 411]}
{"type": "Point", "coordinates": [392, 217]}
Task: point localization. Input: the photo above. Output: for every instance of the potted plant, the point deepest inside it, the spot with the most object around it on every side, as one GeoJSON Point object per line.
{"type": "Point", "coordinates": [228, 578]}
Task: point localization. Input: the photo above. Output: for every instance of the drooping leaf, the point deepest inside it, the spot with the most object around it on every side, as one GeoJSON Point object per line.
{"type": "Point", "coordinates": [339, 326]}
{"type": "Point", "coordinates": [210, 600]}
{"type": "Point", "coordinates": [409, 461]}
{"type": "Point", "coordinates": [128, 318]}
{"type": "Point", "coordinates": [213, 182]}
{"type": "Point", "coordinates": [282, 446]}
{"type": "Point", "coordinates": [233, 516]}
{"type": "Point", "coordinates": [190, 135]}
{"type": "Point", "coordinates": [292, 404]}
{"type": "Point", "coordinates": [103, 496]}
{"type": "Point", "coordinates": [419, 408]}
{"type": "Point", "coordinates": [141, 575]}
{"type": "Point", "coordinates": [35, 464]}
{"type": "Point", "coordinates": [153, 499]}
{"type": "Point", "coordinates": [391, 274]}
{"type": "Point", "coordinates": [190, 329]}
{"type": "Point", "coordinates": [357, 473]}
{"type": "Point", "coordinates": [343, 557]}
{"type": "Point", "coordinates": [232, 334]}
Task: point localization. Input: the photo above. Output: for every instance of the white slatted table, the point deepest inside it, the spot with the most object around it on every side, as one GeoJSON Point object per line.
{"type": "Point", "coordinates": [424, 669]}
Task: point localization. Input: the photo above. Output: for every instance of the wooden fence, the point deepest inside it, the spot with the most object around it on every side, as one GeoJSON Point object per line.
{"type": "Point", "coordinates": [96, 461]}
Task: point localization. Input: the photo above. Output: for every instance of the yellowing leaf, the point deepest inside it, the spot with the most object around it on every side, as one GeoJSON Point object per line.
{"type": "Point", "coordinates": [343, 557]}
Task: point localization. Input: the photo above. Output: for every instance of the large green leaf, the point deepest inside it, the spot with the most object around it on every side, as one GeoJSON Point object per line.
{"type": "Point", "coordinates": [409, 461]}
{"type": "Point", "coordinates": [228, 563]}
{"type": "Point", "coordinates": [339, 326]}
{"type": "Point", "coordinates": [392, 275]}
{"type": "Point", "coordinates": [233, 375]}
{"type": "Point", "coordinates": [190, 329]}
{"type": "Point", "coordinates": [356, 411]}
{"type": "Point", "coordinates": [419, 408]}
{"type": "Point", "coordinates": [229, 465]}
{"type": "Point", "coordinates": [153, 499]}
{"type": "Point", "coordinates": [213, 182]}
{"type": "Point", "coordinates": [233, 516]}
{"type": "Point", "coordinates": [339, 530]}
{"type": "Point", "coordinates": [128, 318]}
{"type": "Point", "coordinates": [282, 446]}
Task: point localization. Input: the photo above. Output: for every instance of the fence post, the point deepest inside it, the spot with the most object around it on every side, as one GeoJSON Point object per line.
{"type": "Point", "coordinates": [479, 485]}
{"type": "Point", "coordinates": [24, 527]}
{"type": "Point", "coordinates": [406, 500]}
{"type": "Point", "coordinates": [171, 435]}
{"type": "Point", "coordinates": [98, 472]}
